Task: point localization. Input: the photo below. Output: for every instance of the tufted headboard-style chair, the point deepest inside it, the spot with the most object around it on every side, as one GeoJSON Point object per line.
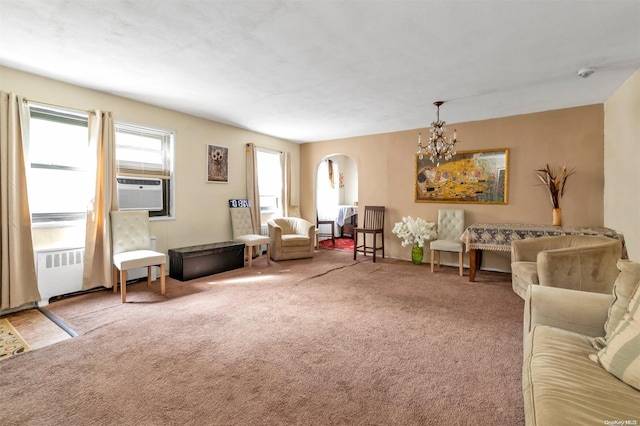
{"type": "Point", "coordinates": [131, 246]}
{"type": "Point", "coordinates": [242, 228]}
{"type": "Point", "coordinates": [450, 228]}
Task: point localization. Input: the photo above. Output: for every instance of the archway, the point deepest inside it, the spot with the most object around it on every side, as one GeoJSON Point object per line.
{"type": "Point", "coordinates": [336, 194]}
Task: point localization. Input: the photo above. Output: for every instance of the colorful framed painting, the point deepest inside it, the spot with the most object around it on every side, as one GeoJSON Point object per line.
{"type": "Point", "coordinates": [480, 177]}
{"type": "Point", "coordinates": [217, 164]}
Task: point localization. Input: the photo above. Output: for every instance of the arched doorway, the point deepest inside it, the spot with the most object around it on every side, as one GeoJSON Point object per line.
{"type": "Point", "coordinates": [336, 195]}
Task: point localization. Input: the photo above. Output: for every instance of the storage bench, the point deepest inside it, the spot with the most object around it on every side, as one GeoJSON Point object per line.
{"type": "Point", "coordinates": [187, 263]}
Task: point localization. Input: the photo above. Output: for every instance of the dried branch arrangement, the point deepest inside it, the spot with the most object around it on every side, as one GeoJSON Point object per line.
{"type": "Point", "coordinates": [555, 180]}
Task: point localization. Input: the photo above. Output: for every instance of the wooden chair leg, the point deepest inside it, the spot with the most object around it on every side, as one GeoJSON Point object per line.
{"type": "Point", "coordinates": [355, 244]}
{"type": "Point", "coordinates": [460, 260]}
{"type": "Point", "coordinates": [375, 244]}
{"type": "Point", "coordinates": [115, 274]}
{"type": "Point", "coordinates": [432, 259]}
{"type": "Point", "coordinates": [148, 276]}
{"type": "Point", "coordinates": [250, 250]}
{"type": "Point", "coordinates": [123, 285]}
{"type": "Point", "coordinates": [162, 280]}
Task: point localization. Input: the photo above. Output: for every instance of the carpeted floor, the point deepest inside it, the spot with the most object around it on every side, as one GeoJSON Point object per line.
{"type": "Point", "coordinates": [318, 341]}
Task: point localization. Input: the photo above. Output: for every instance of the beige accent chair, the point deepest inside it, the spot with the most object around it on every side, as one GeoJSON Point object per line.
{"type": "Point", "coordinates": [291, 238]}
{"type": "Point", "coordinates": [131, 243]}
{"type": "Point", "coordinates": [450, 228]}
{"type": "Point", "coordinates": [242, 227]}
{"type": "Point", "coordinates": [294, 211]}
{"type": "Point", "coordinates": [577, 262]}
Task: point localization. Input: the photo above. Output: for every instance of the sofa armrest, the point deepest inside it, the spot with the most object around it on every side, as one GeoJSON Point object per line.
{"type": "Point", "coordinates": [275, 235]}
{"type": "Point", "coordinates": [578, 311]}
{"type": "Point", "coordinates": [527, 250]}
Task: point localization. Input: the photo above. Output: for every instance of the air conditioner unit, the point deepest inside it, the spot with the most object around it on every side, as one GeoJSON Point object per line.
{"type": "Point", "coordinates": [139, 193]}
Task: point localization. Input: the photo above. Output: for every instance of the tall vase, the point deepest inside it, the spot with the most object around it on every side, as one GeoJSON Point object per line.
{"type": "Point", "coordinates": [557, 217]}
{"type": "Point", "coordinates": [416, 254]}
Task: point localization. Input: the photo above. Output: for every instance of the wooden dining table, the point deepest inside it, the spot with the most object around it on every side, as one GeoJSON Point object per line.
{"type": "Point", "coordinates": [498, 237]}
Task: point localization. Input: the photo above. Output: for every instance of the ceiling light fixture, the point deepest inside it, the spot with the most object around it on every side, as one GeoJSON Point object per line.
{"type": "Point", "coordinates": [585, 72]}
{"type": "Point", "coordinates": [439, 146]}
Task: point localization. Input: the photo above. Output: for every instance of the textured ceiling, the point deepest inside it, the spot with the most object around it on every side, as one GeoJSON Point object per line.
{"type": "Point", "coordinates": [316, 70]}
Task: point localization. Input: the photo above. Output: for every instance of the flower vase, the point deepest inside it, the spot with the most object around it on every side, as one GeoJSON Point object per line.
{"type": "Point", "coordinates": [557, 217]}
{"type": "Point", "coordinates": [416, 254]}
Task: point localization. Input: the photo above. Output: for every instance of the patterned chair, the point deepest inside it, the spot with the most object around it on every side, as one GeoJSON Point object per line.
{"type": "Point", "coordinates": [242, 226]}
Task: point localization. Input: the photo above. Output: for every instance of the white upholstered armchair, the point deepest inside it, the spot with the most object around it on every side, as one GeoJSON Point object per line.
{"type": "Point", "coordinates": [291, 238]}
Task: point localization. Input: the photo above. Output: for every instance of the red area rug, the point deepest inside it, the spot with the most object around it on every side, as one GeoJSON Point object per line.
{"type": "Point", "coordinates": [341, 244]}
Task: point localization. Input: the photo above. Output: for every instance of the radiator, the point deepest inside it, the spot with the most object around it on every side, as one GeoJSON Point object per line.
{"type": "Point", "coordinates": [59, 272]}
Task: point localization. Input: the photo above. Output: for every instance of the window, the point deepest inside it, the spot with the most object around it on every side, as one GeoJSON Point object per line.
{"type": "Point", "coordinates": [143, 152]}
{"type": "Point", "coordinates": [59, 182]}
{"type": "Point", "coordinates": [269, 181]}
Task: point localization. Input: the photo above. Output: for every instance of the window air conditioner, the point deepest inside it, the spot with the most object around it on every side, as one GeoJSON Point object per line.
{"type": "Point", "coordinates": [140, 193]}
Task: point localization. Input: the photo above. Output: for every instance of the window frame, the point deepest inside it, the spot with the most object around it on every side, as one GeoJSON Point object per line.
{"type": "Point", "coordinates": [79, 117]}
{"type": "Point", "coordinates": [168, 139]}
{"type": "Point", "coordinates": [58, 115]}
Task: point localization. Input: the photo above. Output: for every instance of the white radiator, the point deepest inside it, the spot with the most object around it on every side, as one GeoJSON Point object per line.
{"type": "Point", "coordinates": [59, 271]}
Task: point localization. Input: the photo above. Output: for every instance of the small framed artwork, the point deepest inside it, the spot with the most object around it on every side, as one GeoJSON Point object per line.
{"type": "Point", "coordinates": [217, 164]}
{"type": "Point", "coordinates": [480, 177]}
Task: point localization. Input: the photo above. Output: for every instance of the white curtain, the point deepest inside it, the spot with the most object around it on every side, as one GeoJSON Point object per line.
{"type": "Point", "coordinates": [253, 194]}
{"type": "Point", "coordinates": [97, 253]}
{"type": "Point", "coordinates": [286, 182]}
{"type": "Point", "coordinates": [19, 284]}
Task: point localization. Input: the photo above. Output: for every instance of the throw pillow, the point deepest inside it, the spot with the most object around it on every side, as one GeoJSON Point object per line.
{"type": "Point", "coordinates": [621, 356]}
{"type": "Point", "coordinates": [624, 286]}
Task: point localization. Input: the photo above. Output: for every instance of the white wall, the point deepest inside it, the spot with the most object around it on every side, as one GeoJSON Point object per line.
{"type": "Point", "coordinates": [622, 163]}
{"type": "Point", "coordinates": [202, 213]}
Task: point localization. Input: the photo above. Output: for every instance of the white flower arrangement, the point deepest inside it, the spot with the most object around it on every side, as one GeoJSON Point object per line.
{"type": "Point", "coordinates": [412, 231]}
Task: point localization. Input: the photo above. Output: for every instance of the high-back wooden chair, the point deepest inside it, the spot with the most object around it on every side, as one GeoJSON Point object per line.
{"type": "Point", "coordinates": [331, 224]}
{"type": "Point", "coordinates": [373, 225]}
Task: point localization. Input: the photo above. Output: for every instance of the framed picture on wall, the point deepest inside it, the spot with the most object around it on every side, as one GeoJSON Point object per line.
{"type": "Point", "coordinates": [480, 177]}
{"type": "Point", "coordinates": [217, 164]}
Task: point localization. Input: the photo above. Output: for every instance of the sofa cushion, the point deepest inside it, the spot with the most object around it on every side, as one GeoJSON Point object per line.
{"type": "Point", "coordinates": [294, 240]}
{"type": "Point", "coordinates": [623, 288]}
{"type": "Point", "coordinates": [561, 384]}
{"type": "Point", "coordinates": [621, 355]}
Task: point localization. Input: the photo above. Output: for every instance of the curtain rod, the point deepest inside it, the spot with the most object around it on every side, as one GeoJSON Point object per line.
{"type": "Point", "coordinates": [59, 106]}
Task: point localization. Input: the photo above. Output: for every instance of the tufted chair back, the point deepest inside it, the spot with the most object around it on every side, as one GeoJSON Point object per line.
{"type": "Point", "coordinates": [130, 231]}
{"type": "Point", "coordinates": [241, 222]}
{"type": "Point", "coordinates": [450, 224]}
{"type": "Point", "coordinates": [450, 228]}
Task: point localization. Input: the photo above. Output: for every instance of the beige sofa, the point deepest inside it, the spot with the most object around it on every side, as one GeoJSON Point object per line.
{"type": "Point", "coordinates": [578, 262]}
{"type": "Point", "coordinates": [291, 238]}
{"type": "Point", "coordinates": [566, 376]}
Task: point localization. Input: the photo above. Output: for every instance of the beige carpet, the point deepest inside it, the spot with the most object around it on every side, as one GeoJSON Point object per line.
{"type": "Point", "coordinates": [313, 342]}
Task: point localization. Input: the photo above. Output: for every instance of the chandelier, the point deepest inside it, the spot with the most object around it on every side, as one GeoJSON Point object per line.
{"type": "Point", "coordinates": [439, 146]}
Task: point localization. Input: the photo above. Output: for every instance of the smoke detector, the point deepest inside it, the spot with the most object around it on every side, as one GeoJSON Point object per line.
{"type": "Point", "coordinates": [585, 72]}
